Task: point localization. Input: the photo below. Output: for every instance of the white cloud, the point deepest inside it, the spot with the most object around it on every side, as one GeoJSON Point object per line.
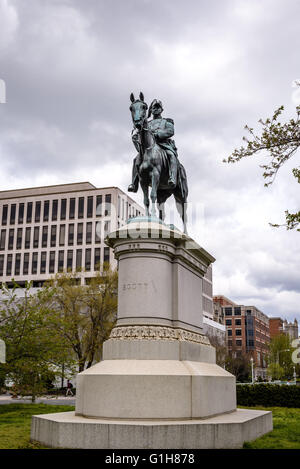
{"type": "Point", "coordinates": [8, 24]}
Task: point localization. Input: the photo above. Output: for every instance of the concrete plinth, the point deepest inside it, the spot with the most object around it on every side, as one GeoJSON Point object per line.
{"type": "Point", "coordinates": [66, 430]}
{"type": "Point", "coordinates": [158, 385]}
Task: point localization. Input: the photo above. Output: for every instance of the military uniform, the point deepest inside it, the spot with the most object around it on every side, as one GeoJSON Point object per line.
{"type": "Point", "coordinates": [163, 130]}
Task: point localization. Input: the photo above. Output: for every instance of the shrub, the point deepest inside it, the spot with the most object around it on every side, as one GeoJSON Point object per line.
{"type": "Point", "coordinates": [269, 395]}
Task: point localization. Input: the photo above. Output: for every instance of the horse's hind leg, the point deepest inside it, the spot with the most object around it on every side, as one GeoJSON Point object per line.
{"type": "Point", "coordinates": [145, 189]}
{"type": "Point", "coordinates": [161, 210]}
{"type": "Point", "coordinates": [181, 207]}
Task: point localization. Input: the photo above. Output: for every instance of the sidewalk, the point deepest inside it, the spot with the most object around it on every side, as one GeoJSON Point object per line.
{"type": "Point", "coordinates": [52, 400]}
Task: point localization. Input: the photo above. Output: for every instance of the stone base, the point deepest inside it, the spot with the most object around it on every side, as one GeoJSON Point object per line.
{"type": "Point", "coordinates": [66, 430]}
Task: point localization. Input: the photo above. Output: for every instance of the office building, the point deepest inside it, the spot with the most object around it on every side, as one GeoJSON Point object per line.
{"type": "Point", "coordinates": [45, 230]}
{"type": "Point", "coordinates": [248, 332]}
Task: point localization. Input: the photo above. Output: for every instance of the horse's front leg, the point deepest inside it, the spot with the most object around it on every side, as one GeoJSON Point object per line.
{"type": "Point", "coordinates": [155, 182]}
{"type": "Point", "coordinates": [145, 190]}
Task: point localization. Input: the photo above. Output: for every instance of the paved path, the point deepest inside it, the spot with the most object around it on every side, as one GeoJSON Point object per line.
{"type": "Point", "coordinates": [61, 400]}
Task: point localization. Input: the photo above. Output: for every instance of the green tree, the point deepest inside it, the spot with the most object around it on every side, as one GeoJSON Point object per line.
{"type": "Point", "coordinates": [33, 349]}
{"type": "Point", "coordinates": [275, 371]}
{"type": "Point", "coordinates": [238, 363]}
{"type": "Point", "coordinates": [280, 356]}
{"type": "Point", "coordinates": [83, 316]}
{"type": "Point", "coordinates": [280, 142]}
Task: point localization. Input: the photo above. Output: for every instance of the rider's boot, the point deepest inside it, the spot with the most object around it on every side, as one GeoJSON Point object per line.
{"type": "Point", "coordinates": [173, 174]}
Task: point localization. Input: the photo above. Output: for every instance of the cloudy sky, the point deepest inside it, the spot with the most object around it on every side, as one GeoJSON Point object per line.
{"type": "Point", "coordinates": [69, 67]}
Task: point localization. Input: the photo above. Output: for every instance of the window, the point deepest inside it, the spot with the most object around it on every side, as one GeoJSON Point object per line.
{"type": "Point", "coordinates": [72, 209]}
{"type": "Point", "coordinates": [45, 236]}
{"type": "Point", "coordinates": [238, 332]}
{"type": "Point", "coordinates": [106, 254]}
{"type": "Point", "coordinates": [237, 311]}
{"type": "Point", "coordinates": [71, 235]}
{"type": "Point", "coordinates": [106, 228]}
{"type": "Point", "coordinates": [27, 238]}
{"type": "Point", "coordinates": [9, 264]}
{"type": "Point", "coordinates": [228, 311]}
{"type": "Point", "coordinates": [90, 206]}
{"type": "Point", "coordinates": [97, 259]}
{"type": "Point", "coordinates": [54, 209]}
{"type": "Point", "coordinates": [78, 258]}
{"type": "Point", "coordinates": [37, 216]}
{"type": "Point", "coordinates": [52, 262]}
{"type": "Point", "coordinates": [1, 264]}
{"type": "Point", "coordinates": [99, 206]}
{"type": "Point", "coordinates": [88, 259]}
{"type": "Point", "coordinates": [229, 343]}
{"type": "Point", "coordinates": [46, 210]}
{"type": "Point", "coordinates": [12, 214]}
{"type": "Point", "coordinates": [238, 322]}
{"type": "Point", "coordinates": [251, 343]}
{"type": "Point", "coordinates": [62, 234]}
{"type": "Point", "coordinates": [36, 236]}
{"type": "Point", "coordinates": [2, 240]}
{"type": "Point", "coordinates": [63, 209]}
{"type": "Point", "coordinates": [70, 260]}
{"type": "Point", "coordinates": [228, 322]}
{"type": "Point", "coordinates": [60, 261]}
{"type": "Point", "coordinates": [17, 263]}
{"type": "Point", "coordinates": [89, 227]}
{"type": "Point", "coordinates": [19, 238]}
{"type": "Point", "coordinates": [238, 343]}
{"type": "Point", "coordinates": [80, 207]}
{"type": "Point", "coordinates": [4, 214]}
{"type": "Point", "coordinates": [34, 263]}
{"type": "Point", "coordinates": [229, 332]}
{"type": "Point", "coordinates": [79, 233]}
{"type": "Point", "coordinates": [53, 236]}
{"type": "Point", "coordinates": [29, 212]}
{"type": "Point", "coordinates": [98, 232]}
{"type": "Point", "coordinates": [21, 213]}
{"type": "Point", "coordinates": [26, 263]}
{"type": "Point", "coordinates": [43, 262]}
{"type": "Point", "coordinates": [107, 205]}
{"type": "Point", "coordinates": [11, 238]}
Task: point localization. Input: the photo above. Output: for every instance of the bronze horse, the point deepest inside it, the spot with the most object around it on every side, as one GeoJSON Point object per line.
{"type": "Point", "coordinates": [153, 169]}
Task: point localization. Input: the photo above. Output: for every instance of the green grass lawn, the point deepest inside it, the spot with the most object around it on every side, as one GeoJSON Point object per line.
{"type": "Point", "coordinates": [286, 430]}
{"type": "Point", "coordinates": [15, 422]}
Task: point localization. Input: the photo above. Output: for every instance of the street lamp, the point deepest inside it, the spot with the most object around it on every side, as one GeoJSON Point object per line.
{"type": "Point", "coordinates": [251, 359]}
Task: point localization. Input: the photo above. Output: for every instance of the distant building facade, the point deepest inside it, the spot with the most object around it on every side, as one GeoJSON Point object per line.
{"type": "Point", "coordinates": [247, 330]}
{"type": "Point", "coordinates": [45, 230]}
{"type": "Point", "coordinates": [282, 326]}
{"type": "Point", "coordinates": [276, 327]}
{"type": "Point", "coordinates": [291, 328]}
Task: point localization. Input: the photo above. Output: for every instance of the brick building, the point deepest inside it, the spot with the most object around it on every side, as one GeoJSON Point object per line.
{"type": "Point", "coordinates": [282, 326]}
{"type": "Point", "coordinates": [276, 327]}
{"type": "Point", "coordinates": [247, 329]}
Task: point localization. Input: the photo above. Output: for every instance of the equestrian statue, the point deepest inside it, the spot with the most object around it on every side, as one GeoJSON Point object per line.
{"type": "Point", "coordinates": [156, 164]}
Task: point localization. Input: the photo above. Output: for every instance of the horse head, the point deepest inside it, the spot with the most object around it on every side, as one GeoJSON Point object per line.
{"type": "Point", "coordinates": [138, 109]}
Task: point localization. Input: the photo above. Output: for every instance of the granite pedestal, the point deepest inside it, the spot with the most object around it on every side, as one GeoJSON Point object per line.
{"type": "Point", "coordinates": [158, 385]}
